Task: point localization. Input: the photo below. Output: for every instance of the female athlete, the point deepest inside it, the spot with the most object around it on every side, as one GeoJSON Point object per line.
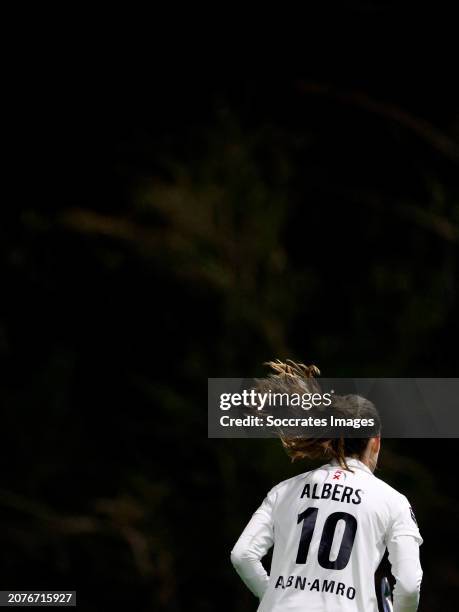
{"type": "Point", "coordinates": [330, 526]}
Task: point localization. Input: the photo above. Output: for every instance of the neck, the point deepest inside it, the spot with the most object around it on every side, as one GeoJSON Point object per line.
{"type": "Point", "coordinates": [369, 460]}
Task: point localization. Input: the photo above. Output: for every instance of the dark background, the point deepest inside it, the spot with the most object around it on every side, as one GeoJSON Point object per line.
{"type": "Point", "coordinates": [172, 225]}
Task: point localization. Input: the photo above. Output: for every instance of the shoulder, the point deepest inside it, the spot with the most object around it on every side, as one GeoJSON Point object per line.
{"type": "Point", "coordinates": [286, 485]}
{"type": "Point", "coordinates": [394, 498]}
{"type": "Point", "coordinates": [290, 482]}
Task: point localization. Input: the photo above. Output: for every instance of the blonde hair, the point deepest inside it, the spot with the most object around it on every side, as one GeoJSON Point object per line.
{"type": "Point", "coordinates": [291, 377]}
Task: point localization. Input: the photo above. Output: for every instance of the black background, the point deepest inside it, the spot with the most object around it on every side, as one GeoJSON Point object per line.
{"type": "Point", "coordinates": [183, 209]}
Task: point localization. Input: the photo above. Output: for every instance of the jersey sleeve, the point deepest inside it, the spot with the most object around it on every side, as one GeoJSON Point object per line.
{"type": "Point", "coordinates": [253, 544]}
{"type": "Point", "coordinates": [403, 541]}
{"type": "Point", "coordinates": [404, 522]}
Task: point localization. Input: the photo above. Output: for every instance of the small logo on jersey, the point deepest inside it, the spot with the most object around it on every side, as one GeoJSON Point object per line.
{"type": "Point", "coordinates": [412, 516]}
{"type": "Point", "coordinates": [338, 474]}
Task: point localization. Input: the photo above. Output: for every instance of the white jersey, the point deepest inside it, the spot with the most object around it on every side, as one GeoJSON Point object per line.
{"type": "Point", "coordinates": [330, 528]}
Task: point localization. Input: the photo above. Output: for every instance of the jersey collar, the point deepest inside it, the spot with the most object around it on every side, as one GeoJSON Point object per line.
{"type": "Point", "coordinates": [353, 464]}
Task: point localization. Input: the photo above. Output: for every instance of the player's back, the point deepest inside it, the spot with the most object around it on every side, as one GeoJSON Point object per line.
{"type": "Point", "coordinates": [329, 529]}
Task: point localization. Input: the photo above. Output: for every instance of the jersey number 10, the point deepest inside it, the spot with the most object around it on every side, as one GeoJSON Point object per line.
{"type": "Point", "coordinates": [309, 518]}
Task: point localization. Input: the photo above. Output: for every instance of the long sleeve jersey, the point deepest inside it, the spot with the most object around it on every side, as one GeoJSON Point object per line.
{"type": "Point", "coordinates": [330, 528]}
